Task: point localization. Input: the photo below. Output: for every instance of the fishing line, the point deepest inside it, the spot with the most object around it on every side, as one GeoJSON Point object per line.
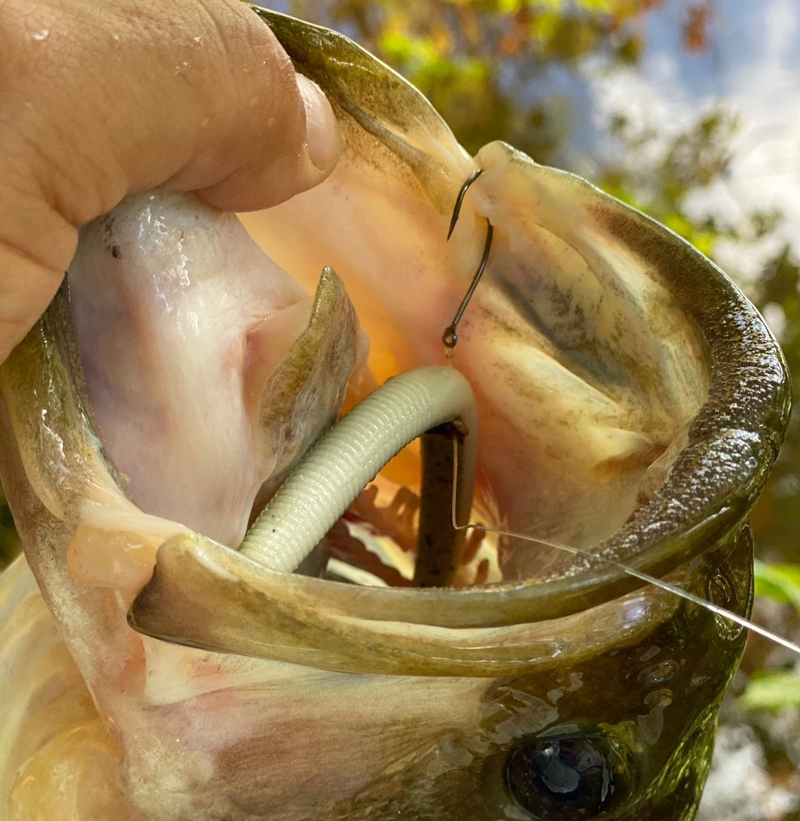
{"type": "Point", "coordinates": [449, 335]}
{"type": "Point", "coordinates": [450, 338]}
{"type": "Point", "coordinates": [638, 574]}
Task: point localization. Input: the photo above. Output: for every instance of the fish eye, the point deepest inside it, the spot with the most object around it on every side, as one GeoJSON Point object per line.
{"type": "Point", "coordinates": [569, 779]}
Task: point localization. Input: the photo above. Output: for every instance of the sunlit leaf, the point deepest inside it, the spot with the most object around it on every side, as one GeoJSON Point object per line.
{"type": "Point", "coordinates": [605, 6]}
{"type": "Point", "coordinates": [780, 582]}
{"type": "Point", "coordinates": [772, 690]}
{"type": "Point", "coordinates": [544, 26]}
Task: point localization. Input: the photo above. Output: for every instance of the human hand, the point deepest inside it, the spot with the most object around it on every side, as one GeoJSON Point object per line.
{"type": "Point", "coordinates": [98, 100]}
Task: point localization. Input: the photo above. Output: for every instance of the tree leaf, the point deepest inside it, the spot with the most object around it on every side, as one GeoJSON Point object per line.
{"type": "Point", "coordinates": [780, 582]}
{"type": "Point", "coordinates": [773, 690]}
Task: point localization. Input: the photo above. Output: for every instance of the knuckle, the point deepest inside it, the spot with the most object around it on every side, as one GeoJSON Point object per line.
{"type": "Point", "coordinates": [265, 88]}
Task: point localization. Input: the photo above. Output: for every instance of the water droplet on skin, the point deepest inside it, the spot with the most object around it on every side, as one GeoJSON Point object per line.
{"type": "Point", "coordinates": [198, 41]}
{"type": "Point", "coordinates": [650, 654]}
{"type": "Point", "coordinates": [659, 673]}
{"type": "Point", "coordinates": [658, 698]}
{"type": "Point", "coordinates": [39, 36]}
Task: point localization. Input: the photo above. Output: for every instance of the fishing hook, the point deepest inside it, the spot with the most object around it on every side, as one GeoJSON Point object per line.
{"type": "Point", "coordinates": [460, 200]}
{"type": "Point", "coordinates": [449, 336]}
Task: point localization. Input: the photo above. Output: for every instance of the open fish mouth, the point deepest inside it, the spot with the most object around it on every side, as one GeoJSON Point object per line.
{"type": "Point", "coordinates": [626, 399]}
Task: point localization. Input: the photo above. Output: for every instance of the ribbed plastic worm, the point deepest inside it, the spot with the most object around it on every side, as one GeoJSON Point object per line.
{"type": "Point", "coordinates": [435, 403]}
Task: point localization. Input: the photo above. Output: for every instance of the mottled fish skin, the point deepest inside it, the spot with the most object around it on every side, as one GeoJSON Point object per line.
{"type": "Point", "coordinates": [632, 403]}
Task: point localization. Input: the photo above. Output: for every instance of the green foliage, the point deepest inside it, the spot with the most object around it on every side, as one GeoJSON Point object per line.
{"type": "Point", "coordinates": [777, 516]}
{"type": "Point", "coordinates": [658, 179]}
{"type": "Point", "coordinates": [482, 62]}
{"type": "Point", "coordinates": [772, 690]}
{"type": "Point", "coordinates": [769, 689]}
{"type": "Point", "coordinates": [779, 582]}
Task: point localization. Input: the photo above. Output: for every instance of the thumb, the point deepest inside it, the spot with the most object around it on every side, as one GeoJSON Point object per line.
{"type": "Point", "coordinates": [99, 100]}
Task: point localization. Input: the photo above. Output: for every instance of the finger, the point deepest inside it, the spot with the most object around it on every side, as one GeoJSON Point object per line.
{"type": "Point", "coordinates": [98, 100]}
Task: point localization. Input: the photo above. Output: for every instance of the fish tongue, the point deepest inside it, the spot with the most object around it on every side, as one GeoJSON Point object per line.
{"type": "Point", "coordinates": [202, 380]}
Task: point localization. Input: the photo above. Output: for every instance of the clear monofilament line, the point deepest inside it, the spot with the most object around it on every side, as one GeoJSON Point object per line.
{"type": "Point", "coordinates": [645, 577]}
{"type": "Point", "coordinates": [631, 571]}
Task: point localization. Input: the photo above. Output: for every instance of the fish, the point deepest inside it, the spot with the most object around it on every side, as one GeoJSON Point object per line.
{"type": "Point", "coordinates": [621, 405]}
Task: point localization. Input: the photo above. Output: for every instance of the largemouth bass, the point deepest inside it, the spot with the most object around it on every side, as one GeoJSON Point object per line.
{"type": "Point", "coordinates": [630, 403]}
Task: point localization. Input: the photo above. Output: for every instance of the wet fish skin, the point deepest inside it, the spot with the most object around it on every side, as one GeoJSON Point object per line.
{"type": "Point", "coordinates": [657, 699]}
{"type": "Point", "coordinates": [357, 728]}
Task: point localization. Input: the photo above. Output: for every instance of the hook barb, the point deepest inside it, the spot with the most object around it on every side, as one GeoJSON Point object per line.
{"type": "Point", "coordinates": [460, 200]}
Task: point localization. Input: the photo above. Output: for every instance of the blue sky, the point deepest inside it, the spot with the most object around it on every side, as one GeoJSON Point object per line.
{"type": "Point", "coordinates": [754, 68]}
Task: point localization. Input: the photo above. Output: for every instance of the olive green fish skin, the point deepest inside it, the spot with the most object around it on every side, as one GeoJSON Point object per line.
{"type": "Point", "coordinates": [656, 703]}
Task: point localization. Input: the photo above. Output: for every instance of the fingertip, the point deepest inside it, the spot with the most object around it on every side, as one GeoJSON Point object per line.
{"type": "Point", "coordinates": [274, 176]}
{"type": "Point", "coordinates": [322, 133]}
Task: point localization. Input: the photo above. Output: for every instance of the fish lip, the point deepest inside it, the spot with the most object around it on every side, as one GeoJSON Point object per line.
{"type": "Point", "coordinates": [205, 595]}
{"type": "Point", "coordinates": [210, 597]}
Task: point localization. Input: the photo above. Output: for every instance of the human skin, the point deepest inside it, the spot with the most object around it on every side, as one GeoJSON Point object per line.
{"type": "Point", "coordinates": [99, 100]}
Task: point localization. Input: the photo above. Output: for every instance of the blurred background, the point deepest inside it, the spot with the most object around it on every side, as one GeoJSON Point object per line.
{"type": "Point", "coordinates": [689, 111]}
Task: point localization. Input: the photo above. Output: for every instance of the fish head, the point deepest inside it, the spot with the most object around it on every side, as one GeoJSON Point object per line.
{"type": "Point", "coordinates": [630, 404]}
